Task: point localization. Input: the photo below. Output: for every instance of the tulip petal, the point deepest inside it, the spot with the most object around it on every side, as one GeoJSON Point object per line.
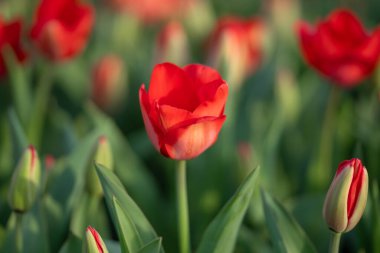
{"type": "Point", "coordinates": [170, 85]}
{"type": "Point", "coordinates": [202, 74]}
{"type": "Point", "coordinates": [188, 141]}
{"type": "Point", "coordinates": [214, 100]}
{"type": "Point", "coordinates": [335, 205]}
{"type": "Point", "coordinates": [360, 202]}
{"type": "Point", "coordinates": [149, 126]}
{"type": "Point", "coordinates": [171, 116]}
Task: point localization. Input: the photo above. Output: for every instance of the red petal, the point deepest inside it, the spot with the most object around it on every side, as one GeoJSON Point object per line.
{"type": "Point", "coordinates": [202, 74]}
{"type": "Point", "coordinates": [188, 141]}
{"type": "Point", "coordinates": [170, 85]}
{"type": "Point", "coordinates": [214, 99]}
{"type": "Point", "coordinates": [149, 123]}
{"type": "Point", "coordinates": [171, 116]}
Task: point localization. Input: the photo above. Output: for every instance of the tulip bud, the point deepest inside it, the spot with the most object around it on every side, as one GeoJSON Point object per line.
{"type": "Point", "coordinates": [171, 45]}
{"type": "Point", "coordinates": [103, 156]}
{"type": "Point", "coordinates": [25, 181]}
{"type": "Point", "coordinates": [94, 243]}
{"type": "Point", "coordinates": [109, 82]}
{"type": "Point", "coordinates": [346, 199]}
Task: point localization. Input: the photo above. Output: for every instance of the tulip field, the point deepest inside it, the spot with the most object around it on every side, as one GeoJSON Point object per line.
{"type": "Point", "coordinates": [205, 126]}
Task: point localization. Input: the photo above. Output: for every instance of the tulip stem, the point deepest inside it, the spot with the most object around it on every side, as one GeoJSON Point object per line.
{"type": "Point", "coordinates": [334, 242]}
{"type": "Point", "coordinates": [19, 236]}
{"type": "Point", "coordinates": [182, 208]}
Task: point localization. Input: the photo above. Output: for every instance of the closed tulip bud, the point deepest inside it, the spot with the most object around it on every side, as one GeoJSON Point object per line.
{"type": "Point", "coordinates": [25, 182]}
{"type": "Point", "coordinates": [346, 199]}
{"type": "Point", "coordinates": [109, 82]}
{"type": "Point", "coordinates": [103, 156]}
{"type": "Point", "coordinates": [171, 45]}
{"type": "Point", "coordinates": [94, 243]}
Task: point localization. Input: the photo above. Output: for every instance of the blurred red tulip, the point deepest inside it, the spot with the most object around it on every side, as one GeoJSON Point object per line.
{"type": "Point", "coordinates": [171, 44]}
{"type": "Point", "coordinates": [340, 48]}
{"type": "Point", "coordinates": [151, 11]}
{"type": "Point", "coordinates": [238, 45]}
{"type": "Point", "coordinates": [183, 111]}
{"type": "Point", "coordinates": [61, 28]}
{"type": "Point", "coordinates": [10, 36]}
{"type": "Point", "coordinates": [109, 82]}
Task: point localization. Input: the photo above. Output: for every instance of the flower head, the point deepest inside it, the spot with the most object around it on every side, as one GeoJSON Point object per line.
{"type": "Point", "coordinates": [183, 110]}
{"type": "Point", "coordinates": [61, 28]}
{"type": "Point", "coordinates": [346, 199]}
{"type": "Point", "coordinates": [340, 48]}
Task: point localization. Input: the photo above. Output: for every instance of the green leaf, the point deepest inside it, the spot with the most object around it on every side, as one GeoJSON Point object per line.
{"type": "Point", "coordinates": [112, 246]}
{"type": "Point", "coordinates": [287, 234]}
{"type": "Point", "coordinates": [72, 244]}
{"type": "Point", "coordinates": [128, 234]}
{"type": "Point", "coordinates": [221, 234]}
{"type": "Point", "coordinates": [152, 247]}
{"type": "Point", "coordinates": [113, 188]}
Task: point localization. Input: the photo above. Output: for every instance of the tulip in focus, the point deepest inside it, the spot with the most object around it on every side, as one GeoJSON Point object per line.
{"type": "Point", "coordinates": [94, 243]}
{"type": "Point", "coordinates": [172, 45]}
{"type": "Point", "coordinates": [103, 156]}
{"type": "Point", "coordinates": [109, 82]}
{"type": "Point", "coordinates": [346, 199]}
{"type": "Point", "coordinates": [25, 182]}
{"type": "Point", "coordinates": [61, 28]}
{"type": "Point", "coordinates": [10, 38]}
{"type": "Point", "coordinates": [236, 46]}
{"type": "Point", "coordinates": [340, 48]}
{"type": "Point", "coordinates": [183, 110]}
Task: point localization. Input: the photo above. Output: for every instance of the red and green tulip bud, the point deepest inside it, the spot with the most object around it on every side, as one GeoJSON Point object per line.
{"type": "Point", "coordinates": [103, 156]}
{"type": "Point", "coordinates": [25, 181]}
{"type": "Point", "coordinates": [94, 243]}
{"type": "Point", "coordinates": [346, 199]}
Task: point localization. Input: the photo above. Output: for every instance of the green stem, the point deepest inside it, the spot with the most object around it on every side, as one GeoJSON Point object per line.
{"type": "Point", "coordinates": [334, 242]}
{"type": "Point", "coordinates": [182, 208]}
{"type": "Point", "coordinates": [320, 171]}
{"type": "Point", "coordinates": [40, 107]}
{"type": "Point", "coordinates": [19, 235]}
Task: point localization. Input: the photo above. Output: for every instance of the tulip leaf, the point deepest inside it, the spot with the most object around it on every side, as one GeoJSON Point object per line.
{"type": "Point", "coordinates": [112, 246]}
{"type": "Point", "coordinates": [221, 234]}
{"type": "Point", "coordinates": [152, 247]}
{"type": "Point", "coordinates": [72, 244]}
{"type": "Point", "coordinates": [113, 188]}
{"type": "Point", "coordinates": [287, 234]}
{"type": "Point", "coordinates": [128, 234]}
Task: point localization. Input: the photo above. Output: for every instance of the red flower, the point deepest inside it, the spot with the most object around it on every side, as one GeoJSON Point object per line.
{"type": "Point", "coordinates": [10, 36]}
{"type": "Point", "coordinates": [109, 82]}
{"type": "Point", "coordinates": [183, 111]}
{"type": "Point", "coordinates": [62, 28]}
{"type": "Point", "coordinates": [238, 42]}
{"type": "Point", "coordinates": [340, 48]}
{"type": "Point", "coordinates": [151, 11]}
{"type": "Point", "coordinates": [347, 197]}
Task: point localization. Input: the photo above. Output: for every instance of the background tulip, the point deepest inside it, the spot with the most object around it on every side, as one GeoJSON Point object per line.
{"type": "Point", "coordinates": [61, 28]}
{"type": "Point", "coordinates": [10, 38]}
{"type": "Point", "coordinates": [183, 110]}
{"type": "Point", "coordinates": [94, 243]}
{"type": "Point", "coordinates": [346, 199]}
{"type": "Point", "coordinates": [236, 45]}
{"type": "Point", "coordinates": [340, 48]}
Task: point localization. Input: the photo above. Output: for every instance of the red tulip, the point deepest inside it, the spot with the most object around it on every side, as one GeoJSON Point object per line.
{"type": "Point", "coordinates": [61, 28]}
{"type": "Point", "coordinates": [238, 44]}
{"type": "Point", "coordinates": [151, 11]}
{"type": "Point", "coordinates": [340, 48]}
{"type": "Point", "coordinates": [10, 36]}
{"type": "Point", "coordinates": [347, 197]}
{"type": "Point", "coordinates": [183, 110]}
{"type": "Point", "coordinates": [171, 44]}
{"type": "Point", "coordinates": [109, 82]}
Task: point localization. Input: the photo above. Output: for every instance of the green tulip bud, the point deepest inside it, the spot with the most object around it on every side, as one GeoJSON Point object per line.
{"type": "Point", "coordinates": [346, 199]}
{"type": "Point", "coordinates": [94, 243]}
{"type": "Point", "coordinates": [103, 156]}
{"type": "Point", "coordinates": [25, 182]}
